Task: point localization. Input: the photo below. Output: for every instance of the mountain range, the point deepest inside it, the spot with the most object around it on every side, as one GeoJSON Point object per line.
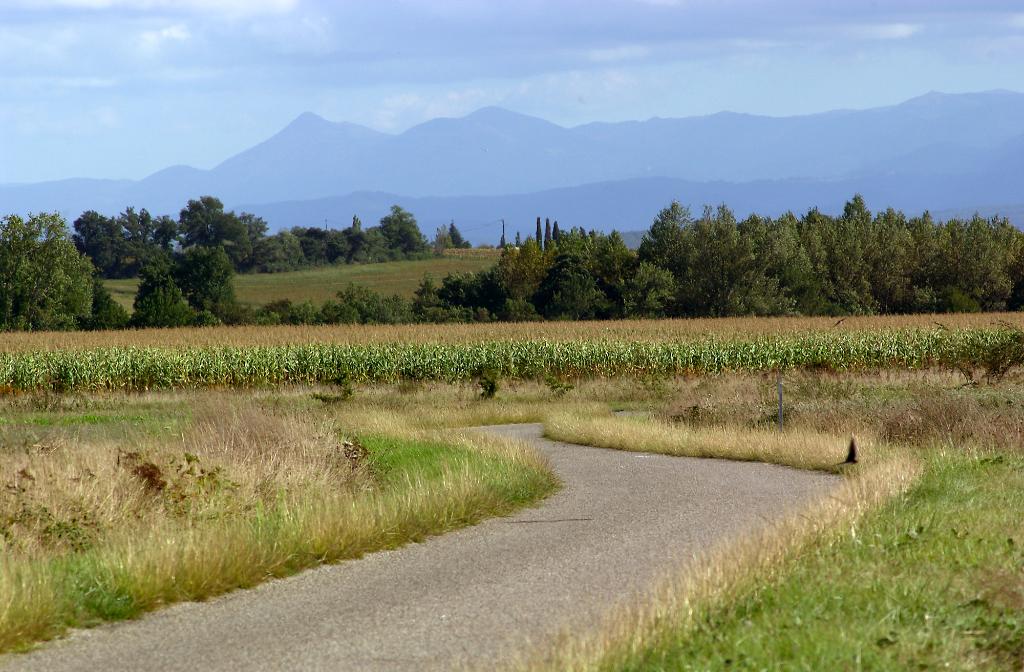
{"type": "Point", "coordinates": [951, 153]}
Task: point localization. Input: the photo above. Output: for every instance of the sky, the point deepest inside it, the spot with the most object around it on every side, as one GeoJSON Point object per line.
{"type": "Point", "coordinates": [122, 88]}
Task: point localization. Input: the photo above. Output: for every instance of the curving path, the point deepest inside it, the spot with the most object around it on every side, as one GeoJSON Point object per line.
{"type": "Point", "coordinates": [475, 597]}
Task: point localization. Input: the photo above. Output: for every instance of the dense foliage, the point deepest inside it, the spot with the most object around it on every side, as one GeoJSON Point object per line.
{"type": "Point", "coordinates": [714, 265]}
{"type": "Point", "coordinates": [44, 282]}
{"type": "Point", "coordinates": [120, 246]}
{"type": "Point", "coordinates": [856, 263]}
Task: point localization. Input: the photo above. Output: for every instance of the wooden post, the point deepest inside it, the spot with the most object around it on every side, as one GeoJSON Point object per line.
{"type": "Point", "coordinates": [779, 382]}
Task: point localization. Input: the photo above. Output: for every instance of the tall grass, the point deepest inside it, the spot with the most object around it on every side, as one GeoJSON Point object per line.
{"type": "Point", "coordinates": [743, 328]}
{"type": "Point", "coordinates": [265, 497]}
{"type": "Point", "coordinates": [804, 449]}
{"type": "Point", "coordinates": [188, 367]}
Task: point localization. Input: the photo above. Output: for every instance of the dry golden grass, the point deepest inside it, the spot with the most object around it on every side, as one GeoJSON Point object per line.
{"type": "Point", "coordinates": [69, 494]}
{"type": "Point", "coordinates": [97, 529]}
{"type": "Point", "coordinates": [803, 448]}
{"type": "Point", "coordinates": [629, 330]}
{"type": "Point", "coordinates": [892, 406]}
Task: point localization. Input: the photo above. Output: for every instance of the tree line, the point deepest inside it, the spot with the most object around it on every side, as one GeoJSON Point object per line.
{"type": "Point", "coordinates": [120, 246]}
{"type": "Point", "coordinates": [686, 265]}
{"type": "Point", "coordinates": [713, 265]}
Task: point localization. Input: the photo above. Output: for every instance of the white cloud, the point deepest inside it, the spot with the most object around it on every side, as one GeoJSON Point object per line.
{"type": "Point", "coordinates": [885, 31]}
{"type": "Point", "coordinates": [401, 110]}
{"type": "Point", "coordinates": [151, 41]}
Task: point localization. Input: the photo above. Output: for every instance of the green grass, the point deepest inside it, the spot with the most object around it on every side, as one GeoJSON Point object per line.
{"type": "Point", "coordinates": [89, 420]}
{"type": "Point", "coordinates": [932, 580]}
{"type": "Point", "coordinates": [319, 284]}
{"type": "Point", "coordinates": [80, 419]}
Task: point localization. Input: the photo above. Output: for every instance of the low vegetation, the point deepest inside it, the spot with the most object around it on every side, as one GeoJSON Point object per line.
{"type": "Point", "coordinates": [805, 449]}
{"type": "Point", "coordinates": [913, 563]}
{"type": "Point", "coordinates": [107, 513]}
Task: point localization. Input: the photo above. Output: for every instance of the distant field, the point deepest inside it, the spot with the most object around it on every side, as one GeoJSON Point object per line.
{"type": "Point", "coordinates": [614, 330]}
{"type": "Point", "coordinates": [319, 284]}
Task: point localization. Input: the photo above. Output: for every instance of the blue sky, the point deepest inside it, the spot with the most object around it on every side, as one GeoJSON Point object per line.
{"type": "Point", "coordinates": [121, 88]}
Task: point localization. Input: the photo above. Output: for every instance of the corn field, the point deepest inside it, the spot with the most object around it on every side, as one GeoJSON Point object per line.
{"type": "Point", "coordinates": [129, 368]}
{"type": "Point", "coordinates": [722, 328]}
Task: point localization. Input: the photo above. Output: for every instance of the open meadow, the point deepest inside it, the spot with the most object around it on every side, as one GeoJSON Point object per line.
{"type": "Point", "coordinates": [323, 283]}
{"type": "Point", "coordinates": [155, 467]}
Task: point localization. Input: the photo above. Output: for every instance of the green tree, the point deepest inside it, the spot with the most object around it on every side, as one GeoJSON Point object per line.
{"type": "Point", "coordinates": [402, 233]}
{"type": "Point", "coordinates": [648, 292]}
{"type": "Point", "coordinates": [45, 282]}
{"type": "Point", "coordinates": [204, 275]}
{"type": "Point", "coordinates": [106, 313]}
{"type": "Point", "coordinates": [611, 263]}
{"type": "Point", "coordinates": [975, 258]}
{"type": "Point", "coordinates": [787, 262]}
{"type": "Point", "coordinates": [456, 237]}
{"type": "Point", "coordinates": [520, 270]}
{"type": "Point", "coordinates": [159, 302]}
{"type": "Point", "coordinates": [369, 307]}
{"type": "Point", "coordinates": [664, 243]}
{"type": "Point", "coordinates": [888, 253]}
{"type": "Point", "coordinates": [204, 223]}
{"type": "Point", "coordinates": [569, 291]}
{"type": "Point", "coordinates": [442, 240]}
{"type": "Point", "coordinates": [337, 246]}
{"type": "Point", "coordinates": [99, 238]}
{"type": "Point", "coordinates": [277, 254]}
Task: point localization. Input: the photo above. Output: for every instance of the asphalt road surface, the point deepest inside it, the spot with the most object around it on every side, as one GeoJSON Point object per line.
{"type": "Point", "coordinates": [472, 598]}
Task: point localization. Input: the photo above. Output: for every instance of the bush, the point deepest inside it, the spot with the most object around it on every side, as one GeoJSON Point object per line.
{"type": "Point", "coordinates": [488, 383]}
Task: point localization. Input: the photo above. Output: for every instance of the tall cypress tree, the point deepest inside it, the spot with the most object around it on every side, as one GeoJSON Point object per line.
{"type": "Point", "coordinates": [540, 233]}
{"type": "Point", "coordinates": [555, 232]}
{"type": "Point", "coordinates": [547, 233]}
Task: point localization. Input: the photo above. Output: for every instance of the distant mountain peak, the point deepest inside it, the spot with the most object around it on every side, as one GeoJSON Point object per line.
{"type": "Point", "coordinates": [311, 122]}
{"type": "Point", "coordinates": [492, 114]}
{"type": "Point", "coordinates": [940, 97]}
{"type": "Point", "coordinates": [307, 120]}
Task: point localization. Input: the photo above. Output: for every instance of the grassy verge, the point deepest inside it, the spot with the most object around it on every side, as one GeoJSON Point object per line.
{"type": "Point", "coordinates": [915, 563]}
{"type": "Point", "coordinates": [804, 449]}
{"type": "Point", "coordinates": [930, 579]}
{"type": "Point", "coordinates": [91, 532]}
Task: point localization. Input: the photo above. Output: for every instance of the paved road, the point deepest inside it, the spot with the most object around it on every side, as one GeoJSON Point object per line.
{"type": "Point", "coordinates": [470, 598]}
